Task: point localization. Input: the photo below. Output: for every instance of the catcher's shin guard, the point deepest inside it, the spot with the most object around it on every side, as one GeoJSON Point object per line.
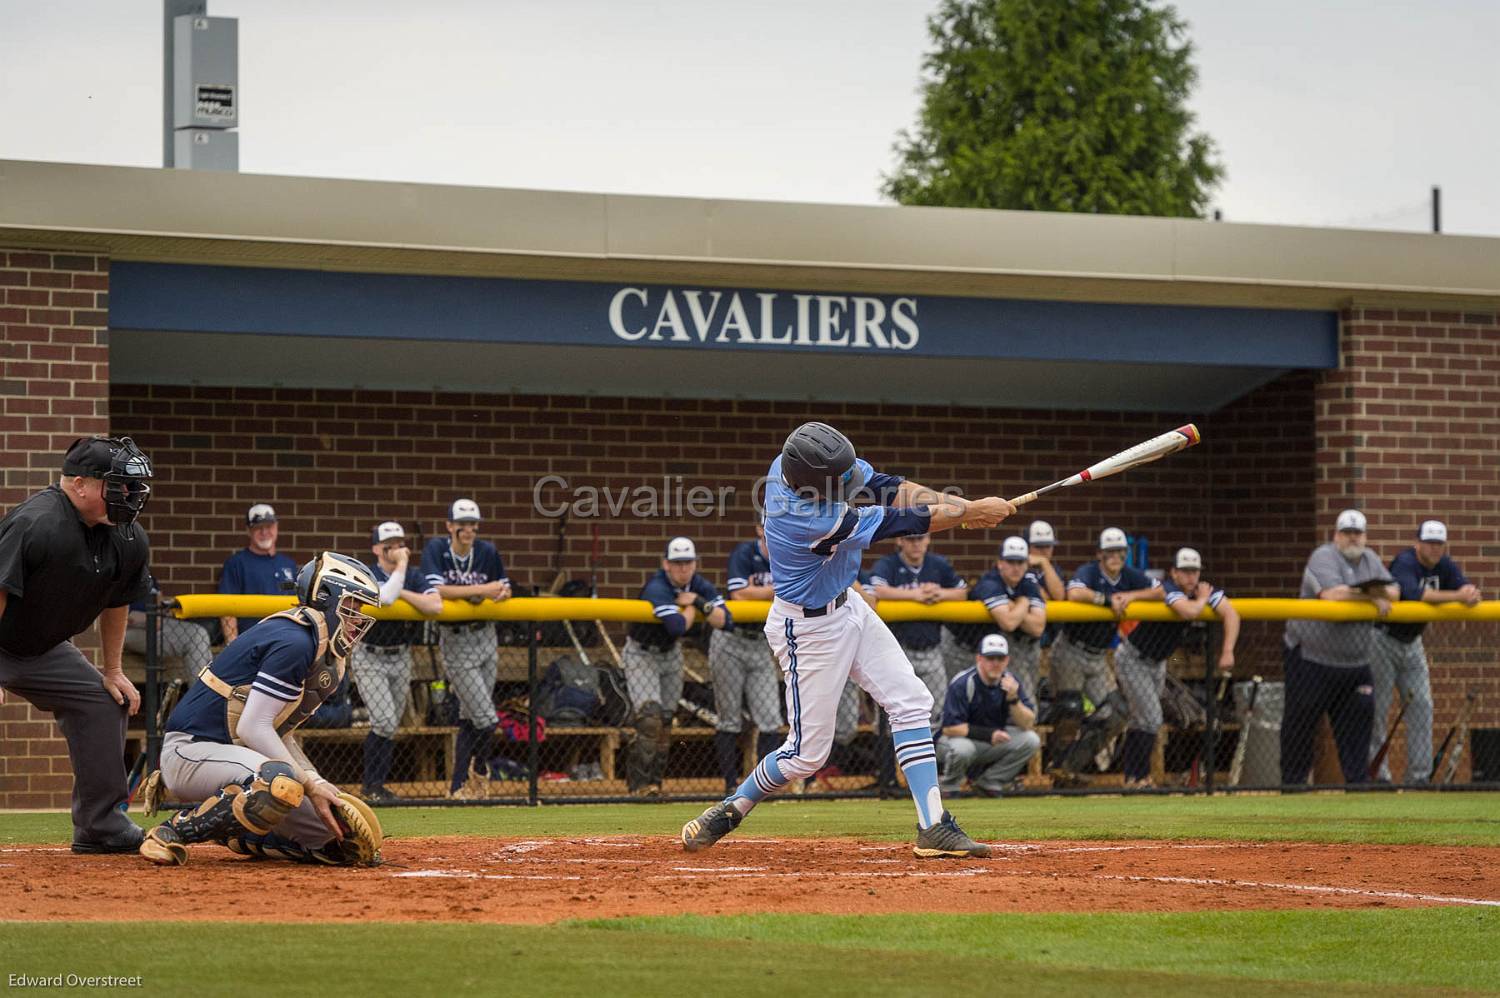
{"type": "Point", "coordinates": [257, 806]}
{"type": "Point", "coordinates": [360, 845]}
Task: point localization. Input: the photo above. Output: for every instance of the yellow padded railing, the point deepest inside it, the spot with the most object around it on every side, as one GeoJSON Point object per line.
{"type": "Point", "coordinates": [754, 611]}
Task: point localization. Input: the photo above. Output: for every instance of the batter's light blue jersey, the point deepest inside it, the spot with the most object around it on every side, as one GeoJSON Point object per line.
{"type": "Point", "coordinates": [816, 544]}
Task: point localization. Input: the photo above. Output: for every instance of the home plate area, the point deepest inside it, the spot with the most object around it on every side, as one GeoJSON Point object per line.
{"type": "Point", "coordinates": [463, 878]}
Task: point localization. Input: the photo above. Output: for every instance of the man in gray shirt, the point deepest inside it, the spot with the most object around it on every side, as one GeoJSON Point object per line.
{"type": "Point", "coordinates": [1328, 663]}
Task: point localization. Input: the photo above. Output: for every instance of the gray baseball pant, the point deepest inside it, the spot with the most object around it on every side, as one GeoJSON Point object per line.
{"type": "Point", "coordinates": [1074, 667]}
{"type": "Point", "coordinates": [745, 679]}
{"type": "Point", "coordinates": [653, 676]}
{"type": "Point", "coordinates": [1026, 664]}
{"type": "Point", "coordinates": [469, 663]}
{"type": "Point", "coordinates": [196, 770]}
{"type": "Point", "coordinates": [1142, 681]}
{"type": "Point", "coordinates": [1396, 665]}
{"type": "Point", "coordinates": [993, 765]}
{"type": "Point", "coordinates": [956, 658]}
{"type": "Point", "coordinates": [64, 683]}
{"type": "Point", "coordinates": [383, 676]}
{"type": "Point", "coordinates": [927, 663]}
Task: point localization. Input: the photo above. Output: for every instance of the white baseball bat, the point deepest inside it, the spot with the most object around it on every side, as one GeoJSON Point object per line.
{"type": "Point", "coordinates": [1132, 457]}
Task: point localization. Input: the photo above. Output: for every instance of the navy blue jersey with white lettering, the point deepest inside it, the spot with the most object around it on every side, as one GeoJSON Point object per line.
{"type": "Point", "coordinates": [970, 700]}
{"type": "Point", "coordinates": [893, 571]}
{"type": "Point", "coordinates": [442, 567]}
{"type": "Point", "coordinates": [816, 544]}
{"type": "Point", "coordinates": [246, 573]}
{"type": "Point", "coordinates": [662, 595]}
{"type": "Point", "coordinates": [994, 592]}
{"type": "Point", "coordinates": [748, 566]}
{"type": "Point", "coordinates": [392, 633]}
{"type": "Point", "coordinates": [274, 658]}
{"type": "Point", "coordinates": [1415, 578]}
{"type": "Point", "coordinates": [1158, 639]}
{"type": "Point", "coordinates": [1091, 576]}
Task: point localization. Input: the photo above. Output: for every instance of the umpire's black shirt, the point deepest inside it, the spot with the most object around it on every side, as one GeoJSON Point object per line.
{"type": "Point", "coordinates": [60, 574]}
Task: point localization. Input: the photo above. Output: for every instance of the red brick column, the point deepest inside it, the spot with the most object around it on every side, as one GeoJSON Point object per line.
{"type": "Point", "coordinates": [54, 349]}
{"type": "Point", "coordinates": [1407, 430]}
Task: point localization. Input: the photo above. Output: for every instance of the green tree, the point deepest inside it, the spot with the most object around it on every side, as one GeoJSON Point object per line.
{"type": "Point", "coordinates": [1057, 105]}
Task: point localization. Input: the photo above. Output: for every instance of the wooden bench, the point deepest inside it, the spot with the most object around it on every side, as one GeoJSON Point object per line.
{"type": "Point", "coordinates": [434, 745]}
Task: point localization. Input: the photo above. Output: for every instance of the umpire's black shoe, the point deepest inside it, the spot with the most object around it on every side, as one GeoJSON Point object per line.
{"type": "Point", "coordinates": [946, 840]}
{"type": "Point", "coordinates": [126, 841]}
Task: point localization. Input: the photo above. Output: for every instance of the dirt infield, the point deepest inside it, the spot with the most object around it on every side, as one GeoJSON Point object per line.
{"type": "Point", "coordinates": [462, 878]}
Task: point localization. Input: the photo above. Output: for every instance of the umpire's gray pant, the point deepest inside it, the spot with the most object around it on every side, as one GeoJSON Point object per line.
{"type": "Point", "coordinates": [927, 663]}
{"type": "Point", "coordinates": [745, 679]}
{"type": "Point", "coordinates": [383, 675]}
{"type": "Point", "coordinates": [196, 770]}
{"type": "Point", "coordinates": [1142, 681]}
{"type": "Point", "coordinates": [653, 676]}
{"type": "Point", "coordinates": [1075, 667]}
{"type": "Point", "coordinates": [469, 663]}
{"type": "Point", "coordinates": [1397, 665]}
{"type": "Point", "coordinates": [64, 683]}
{"type": "Point", "coordinates": [993, 765]}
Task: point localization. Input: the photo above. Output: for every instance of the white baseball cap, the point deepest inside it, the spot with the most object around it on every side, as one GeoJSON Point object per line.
{"type": "Point", "coordinates": [1040, 532]}
{"type": "Point", "coordinates": [1433, 530]}
{"type": "Point", "coordinates": [390, 530]}
{"type": "Point", "coordinates": [1351, 519]}
{"type": "Point", "coordinates": [1014, 549]}
{"type": "Point", "coordinates": [994, 646]}
{"type": "Point", "coordinates": [1187, 558]}
{"type": "Point", "coordinates": [464, 511]}
{"type": "Point", "coordinates": [1113, 539]}
{"type": "Point", "coordinates": [681, 549]}
{"type": "Point", "coordinates": [260, 514]}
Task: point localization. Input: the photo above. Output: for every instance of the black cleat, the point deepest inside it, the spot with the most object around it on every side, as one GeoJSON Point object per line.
{"type": "Point", "coordinates": [126, 841]}
{"type": "Point", "coordinates": [710, 826]}
{"type": "Point", "coordinates": [946, 840]}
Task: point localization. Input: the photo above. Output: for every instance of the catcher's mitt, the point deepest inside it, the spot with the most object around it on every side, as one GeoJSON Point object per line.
{"type": "Point", "coordinates": [362, 833]}
{"type": "Point", "coordinates": [153, 791]}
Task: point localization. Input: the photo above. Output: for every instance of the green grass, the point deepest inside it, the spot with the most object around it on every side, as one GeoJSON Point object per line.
{"type": "Point", "coordinates": [1387, 818]}
{"type": "Point", "coordinates": [1440, 951]}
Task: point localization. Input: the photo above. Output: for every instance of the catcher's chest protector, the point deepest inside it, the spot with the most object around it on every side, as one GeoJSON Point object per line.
{"type": "Point", "coordinates": [322, 679]}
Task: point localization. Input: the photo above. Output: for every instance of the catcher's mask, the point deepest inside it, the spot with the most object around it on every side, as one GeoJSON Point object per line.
{"type": "Point", "coordinates": [119, 463]}
{"type": "Point", "coordinates": [342, 588]}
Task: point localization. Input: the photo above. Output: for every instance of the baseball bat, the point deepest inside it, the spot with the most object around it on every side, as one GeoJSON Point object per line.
{"type": "Point", "coordinates": [1385, 746]}
{"type": "Point", "coordinates": [1237, 765]}
{"type": "Point", "coordinates": [1132, 457]}
{"type": "Point", "coordinates": [1450, 765]}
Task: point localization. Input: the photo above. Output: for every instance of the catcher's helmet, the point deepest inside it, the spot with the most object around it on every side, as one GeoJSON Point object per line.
{"type": "Point", "coordinates": [124, 470]}
{"type": "Point", "coordinates": [341, 587]}
{"type": "Point", "coordinates": [820, 459]}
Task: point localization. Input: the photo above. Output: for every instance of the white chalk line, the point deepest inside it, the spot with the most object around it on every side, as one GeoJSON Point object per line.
{"type": "Point", "coordinates": [1304, 888]}
{"type": "Point", "coordinates": [475, 875]}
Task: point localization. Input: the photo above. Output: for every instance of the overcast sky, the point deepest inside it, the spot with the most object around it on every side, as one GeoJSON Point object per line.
{"type": "Point", "coordinates": [1325, 113]}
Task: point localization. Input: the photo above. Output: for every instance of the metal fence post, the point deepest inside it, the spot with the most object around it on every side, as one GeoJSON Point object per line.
{"type": "Point", "coordinates": [151, 694]}
{"type": "Point", "coordinates": [533, 755]}
{"type": "Point", "coordinates": [1211, 729]}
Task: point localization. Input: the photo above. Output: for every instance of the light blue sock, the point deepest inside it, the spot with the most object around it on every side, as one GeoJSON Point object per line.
{"type": "Point", "coordinates": [918, 761]}
{"type": "Point", "coordinates": [763, 781]}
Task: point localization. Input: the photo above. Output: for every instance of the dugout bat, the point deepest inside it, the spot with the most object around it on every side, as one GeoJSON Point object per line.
{"type": "Point", "coordinates": [1385, 746]}
{"type": "Point", "coordinates": [1460, 735]}
{"type": "Point", "coordinates": [1132, 457]}
{"type": "Point", "coordinates": [1237, 765]}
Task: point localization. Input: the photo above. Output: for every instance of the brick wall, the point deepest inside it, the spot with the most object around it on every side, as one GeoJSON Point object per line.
{"type": "Point", "coordinates": [54, 349]}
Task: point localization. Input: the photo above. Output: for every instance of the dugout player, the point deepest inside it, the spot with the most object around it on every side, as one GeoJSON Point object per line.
{"type": "Point", "coordinates": [1399, 661]}
{"type": "Point", "coordinates": [69, 554]}
{"type": "Point", "coordinates": [1141, 661]}
{"type": "Point", "coordinates": [987, 723]}
{"type": "Point", "coordinates": [463, 567]}
{"type": "Point", "coordinates": [743, 670]}
{"type": "Point", "coordinates": [679, 596]}
{"type": "Point", "coordinates": [823, 633]}
{"type": "Point", "coordinates": [1041, 542]}
{"type": "Point", "coordinates": [382, 661]}
{"type": "Point", "coordinates": [256, 569]}
{"type": "Point", "coordinates": [229, 742]}
{"type": "Point", "coordinates": [913, 572]}
{"type": "Point", "coordinates": [1078, 662]}
{"type": "Point", "coordinates": [1015, 603]}
{"type": "Point", "coordinates": [1328, 662]}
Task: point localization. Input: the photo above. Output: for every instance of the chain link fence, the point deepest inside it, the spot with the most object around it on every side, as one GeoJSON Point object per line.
{"type": "Point", "coordinates": [574, 709]}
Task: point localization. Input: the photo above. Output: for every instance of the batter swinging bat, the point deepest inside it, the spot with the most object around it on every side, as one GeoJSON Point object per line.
{"type": "Point", "coordinates": [1132, 457]}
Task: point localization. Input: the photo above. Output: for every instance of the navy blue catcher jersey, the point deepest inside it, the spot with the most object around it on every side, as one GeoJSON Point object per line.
{"type": "Point", "coordinates": [893, 571]}
{"type": "Point", "coordinates": [442, 567]}
{"type": "Point", "coordinates": [1158, 639]}
{"type": "Point", "coordinates": [274, 658]}
{"type": "Point", "coordinates": [748, 566]}
{"type": "Point", "coordinates": [1098, 634]}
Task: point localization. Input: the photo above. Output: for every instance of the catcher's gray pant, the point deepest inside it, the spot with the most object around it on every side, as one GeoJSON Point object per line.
{"type": "Point", "coordinates": [993, 766]}
{"type": "Point", "coordinates": [1074, 667]}
{"type": "Point", "coordinates": [383, 675]}
{"type": "Point", "coordinates": [185, 650]}
{"type": "Point", "coordinates": [653, 676]}
{"type": "Point", "coordinates": [469, 662]}
{"type": "Point", "coordinates": [956, 658]}
{"type": "Point", "coordinates": [1142, 681]}
{"type": "Point", "coordinates": [1395, 665]}
{"type": "Point", "coordinates": [745, 678]}
{"type": "Point", "coordinates": [846, 720]}
{"type": "Point", "coordinates": [63, 682]}
{"type": "Point", "coordinates": [196, 770]}
{"type": "Point", "coordinates": [927, 663]}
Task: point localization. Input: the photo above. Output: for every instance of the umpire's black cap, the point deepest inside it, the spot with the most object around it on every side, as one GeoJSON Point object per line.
{"type": "Point", "coordinates": [821, 459]}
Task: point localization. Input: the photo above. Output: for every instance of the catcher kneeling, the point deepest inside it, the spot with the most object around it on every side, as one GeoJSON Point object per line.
{"type": "Point", "coordinates": [230, 742]}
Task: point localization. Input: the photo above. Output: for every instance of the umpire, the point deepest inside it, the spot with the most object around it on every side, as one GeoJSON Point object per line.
{"type": "Point", "coordinates": [70, 554]}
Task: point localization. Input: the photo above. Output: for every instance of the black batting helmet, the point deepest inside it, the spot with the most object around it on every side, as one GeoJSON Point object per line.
{"type": "Point", "coordinates": [818, 458]}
